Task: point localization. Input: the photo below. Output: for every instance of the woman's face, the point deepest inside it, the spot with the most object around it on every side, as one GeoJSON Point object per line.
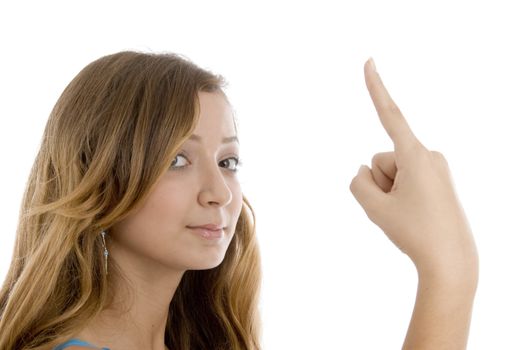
{"type": "Point", "coordinates": [200, 188]}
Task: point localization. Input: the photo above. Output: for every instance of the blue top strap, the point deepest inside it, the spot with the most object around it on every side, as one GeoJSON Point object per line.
{"type": "Point", "coordinates": [76, 342]}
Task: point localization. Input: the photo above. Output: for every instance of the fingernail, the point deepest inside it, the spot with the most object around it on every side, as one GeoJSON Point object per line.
{"type": "Point", "coordinates": [362, 167]}
{"type": "Point", "coordinates": [373, 66]}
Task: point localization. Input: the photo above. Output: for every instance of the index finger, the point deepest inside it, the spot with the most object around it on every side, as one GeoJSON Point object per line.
{"type": "Point", "coordinates": [390, 115]}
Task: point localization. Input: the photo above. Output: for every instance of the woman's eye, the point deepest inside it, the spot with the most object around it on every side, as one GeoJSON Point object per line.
{"type": "Point", "coordinates": [176, 164]}
{"type": "Point", "coordinates": [233, 162]}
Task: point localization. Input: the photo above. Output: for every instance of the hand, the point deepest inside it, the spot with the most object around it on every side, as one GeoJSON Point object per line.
{"type": "Point", "coordinates": [409, 194]}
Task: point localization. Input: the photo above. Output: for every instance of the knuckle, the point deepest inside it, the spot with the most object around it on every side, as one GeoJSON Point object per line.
{"type": "Point", "coordinates": [354, 183]}
{"type": "Point", "coordinates": [418, 148]}
{"type": "Point", "coordinates": [376, 158]}
{"type": "Point", "coordinates": [381, 156]}
{"type": "Point", "coordinates": [352, 187]}
{"type": "Point", "coordinates": [355, 186]}
{"type": "Point", "coordinates": [438, 156]}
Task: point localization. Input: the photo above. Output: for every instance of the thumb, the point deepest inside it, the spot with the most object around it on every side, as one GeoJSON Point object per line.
{"type": "Point", "coordinates": [366, 191]}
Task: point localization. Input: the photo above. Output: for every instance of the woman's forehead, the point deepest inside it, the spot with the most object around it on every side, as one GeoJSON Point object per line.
{"type": "Point", "coordinates": [216, 119]}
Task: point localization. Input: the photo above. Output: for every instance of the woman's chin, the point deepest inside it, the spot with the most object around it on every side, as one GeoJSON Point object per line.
{"type": "Point", "coordinates": [207, 263]}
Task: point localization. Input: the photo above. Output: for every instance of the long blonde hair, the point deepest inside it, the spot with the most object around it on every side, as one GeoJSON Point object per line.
{"type": "Point", "coordinates": [111, 135]}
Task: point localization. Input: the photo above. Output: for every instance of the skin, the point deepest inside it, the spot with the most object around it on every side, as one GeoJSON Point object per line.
{"type": "Point", "coordinates": [408, 193]}
{"type": "Point", "coordinates": [153, 245]}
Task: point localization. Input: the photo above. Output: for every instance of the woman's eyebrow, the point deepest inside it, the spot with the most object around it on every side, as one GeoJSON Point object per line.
{"type": "Point", "coordinates": [198, 138]}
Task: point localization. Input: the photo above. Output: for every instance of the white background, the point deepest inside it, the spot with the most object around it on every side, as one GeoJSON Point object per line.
{"type": "Point", "coordinates": [331, 279]}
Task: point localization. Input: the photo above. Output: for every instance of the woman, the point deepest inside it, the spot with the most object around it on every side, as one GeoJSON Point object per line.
{"type": "Point", "coordinates": [134, 232]}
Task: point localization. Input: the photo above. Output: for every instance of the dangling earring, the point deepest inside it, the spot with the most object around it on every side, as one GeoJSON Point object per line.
{"type": "Point", "coordinates": [105, 252]}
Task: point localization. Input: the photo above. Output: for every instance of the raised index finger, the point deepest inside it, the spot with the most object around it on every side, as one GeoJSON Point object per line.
{"type": "Point", "coordinates": [390, 115]}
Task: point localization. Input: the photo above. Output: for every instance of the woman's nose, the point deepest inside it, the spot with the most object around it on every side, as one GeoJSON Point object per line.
{"type": "Point", "coordinates": [214, 188]}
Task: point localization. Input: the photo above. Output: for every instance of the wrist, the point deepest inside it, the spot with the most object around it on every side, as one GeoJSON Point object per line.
{"type": "Point", "coordinates": [450, 273]}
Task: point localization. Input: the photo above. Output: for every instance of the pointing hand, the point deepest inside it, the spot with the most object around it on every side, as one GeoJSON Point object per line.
{"type": "Point", "coordinates": [409, 194]}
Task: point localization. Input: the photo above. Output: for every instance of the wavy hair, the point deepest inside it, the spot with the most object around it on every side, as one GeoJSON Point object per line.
{"type": "Point", "coordinates": [111, 135]}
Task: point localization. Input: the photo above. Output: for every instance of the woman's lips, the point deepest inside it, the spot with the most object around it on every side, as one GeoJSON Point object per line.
{"type": "Point", "coordinates": [207, 233]}
{"type": "Point", "coordinates": [209, 226]}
